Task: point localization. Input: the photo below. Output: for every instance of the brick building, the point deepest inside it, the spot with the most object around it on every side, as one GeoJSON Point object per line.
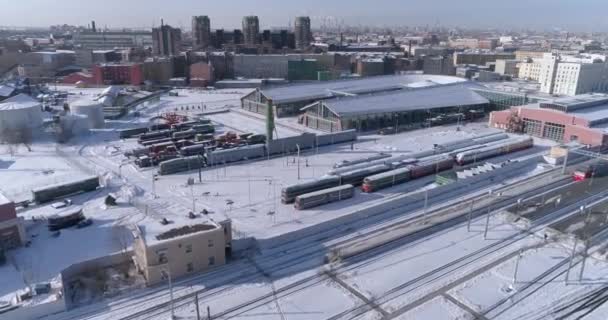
{"type": "Point", "coordinates": [12, 232]}
{"type": "Point", "coordinates": [582, 118]}
{"type": "Point", "coordinates": [117, 74]}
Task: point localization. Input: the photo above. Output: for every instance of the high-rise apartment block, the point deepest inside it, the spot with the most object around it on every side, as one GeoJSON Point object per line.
{"type": "Point", "coordinates": [251, 29]}
{"type": "Point", "coordinates": [302, 32]}
{"type": "Point", "coordinates": [166, 40]}
{"type": "Point", "coordinates": [201, 32]}
{"type": "Point", "coordinates": [572, 75]}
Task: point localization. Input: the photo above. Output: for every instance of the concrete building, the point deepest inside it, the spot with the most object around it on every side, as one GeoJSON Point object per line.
{"type": "Point", "coordinates": [523, 55]}
{"type": "Point", "coordinates": [439, 65]}
{"type": "Point", "coordinates": [166, 248]}
{"type": "Point", "coordinates": [12, 231]}
{"type": "Point", "coordinates": [368, 67]}
{"type": "Point", "coordinates": [302, 32]}
{"type": "Point", "coordinates": [202, 74]}
{"type": "Point", "coordinates": [118, 74]}
{"type": "Point", "coordinates": [201, 32]}
{"type": "Point", "coordinates": [480, 58]}
{"type": "Point", "coordinates": [45, 64]}
{"type": "Point", "coordinates": [488, 44]}
{"type": "Point", "coordinates": [158, 70]}
{"type": "Point", "coordinates": [109, 40]}
{"type": "Point", "coordinates": [573, 75]}
{"type": "Point", "coordinates": [465, 43]}
{"type": "Point", "coordinates": [582, 118]}
{"type": "Point", "coordinates": [167, 41]}
{"type": "Point", "coordinates": [506, 67]}
{"type": "Point", "coordinates": [251, 30]}
{"type": "Point", "coordinates": [529, 70]}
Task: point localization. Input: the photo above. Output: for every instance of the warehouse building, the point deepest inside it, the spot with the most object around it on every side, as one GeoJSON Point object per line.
{"type": "Point", "coordinates": [402, 108]}
{"type": "Point", "coordinates": [289, 100]}
{"type": "Point", "coordinates": [582, 118]}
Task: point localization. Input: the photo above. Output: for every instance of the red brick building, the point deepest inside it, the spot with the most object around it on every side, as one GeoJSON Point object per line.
{"type": "Point", "coordinates": [582, 118]}
{"type": "Point", "coordinates": [12, 232]}
{"type": "Point", "coordinates": [117, 74]}
{"type": "Point", "coordinates": [201, 73]}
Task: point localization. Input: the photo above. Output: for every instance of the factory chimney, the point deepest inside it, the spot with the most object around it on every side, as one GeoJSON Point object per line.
{"type": "Point", "coordinates": [93, 26]}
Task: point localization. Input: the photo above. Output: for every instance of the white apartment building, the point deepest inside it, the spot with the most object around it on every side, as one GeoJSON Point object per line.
{"type": "Point", "coordinates": [567, 74]}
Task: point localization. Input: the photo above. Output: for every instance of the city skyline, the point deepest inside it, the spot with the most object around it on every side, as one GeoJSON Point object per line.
{"type": "Point", "coordinates": [584, 15]}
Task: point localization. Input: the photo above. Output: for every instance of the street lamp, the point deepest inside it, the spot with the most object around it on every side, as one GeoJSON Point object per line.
{"type": "Point", "coordinates": [154, 178]}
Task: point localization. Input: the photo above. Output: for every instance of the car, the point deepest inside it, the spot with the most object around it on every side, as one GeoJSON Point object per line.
{"type": "Point", "coordinates": [62, 204]}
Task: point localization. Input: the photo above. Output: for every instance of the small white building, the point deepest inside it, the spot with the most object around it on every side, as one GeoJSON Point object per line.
{"type": "Point", "coordinates": [20, 112]}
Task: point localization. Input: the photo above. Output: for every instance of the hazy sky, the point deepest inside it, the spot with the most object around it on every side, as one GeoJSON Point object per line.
{"type": "Point", "coordinates": [584, 15]}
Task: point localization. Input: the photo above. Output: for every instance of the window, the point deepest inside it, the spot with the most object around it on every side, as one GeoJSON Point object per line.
{"type": "Point", "coordinates": [188, 248]}
{"type": "Point", "coordinates": [211, 261]}
{"type": "Point", "coordinates": [162, 256]}
{"type": "Point", "coordinates": [210, 244]}
{"type": "Point", "coordinates": [190, 267]}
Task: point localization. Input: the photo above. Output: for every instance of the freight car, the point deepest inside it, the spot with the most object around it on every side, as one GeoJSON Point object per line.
{"type": "Point", "coordinates": [386, 179]}
{"type": "Point", "coordinates": [235, 154]}
{"type": "Point", "coordinates": [587, 171]}
{"type": "Point", "coordinates": [493, 150]}
{"type": "Point", "coordinates": [155, 135]}
{"type": "Point", "coordinates": [52, 192]}
{"type": "Point", "coordinates": [130, 133]}
{"type": "Point", "coordinates": [193, 150]}
{"type": "Point", "coordinates": [66, 219]}
{"type": "Point", "coordinates": [289, 193]}
{"type": "Point", "coordinates": [180, 165]}
{"type": "Point", "coordinates": [321, 197]}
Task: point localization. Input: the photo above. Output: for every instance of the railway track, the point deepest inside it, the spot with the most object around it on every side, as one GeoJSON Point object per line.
{"type": "Point", "coordinates": [467, 260]}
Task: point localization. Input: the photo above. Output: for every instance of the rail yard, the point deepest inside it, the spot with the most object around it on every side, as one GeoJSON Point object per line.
{"type": "Point", "coordinates": [457, 221]}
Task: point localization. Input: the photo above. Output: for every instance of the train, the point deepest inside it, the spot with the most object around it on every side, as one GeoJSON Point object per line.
{"type": "Point", "coordinates": [318, 198]}
{"type": "Point", "coordinates": [409, 172]}
{"type": "Point", "coordinates": [347, 163]}
{"type": "Point", "coordinates": [289, 193]}
{"type": "Point", "coordinates": [52, 192]}
{"type": "Point", "coordinates": [493, 150]}
{"type": "Point", "coordinates": [587, 171]}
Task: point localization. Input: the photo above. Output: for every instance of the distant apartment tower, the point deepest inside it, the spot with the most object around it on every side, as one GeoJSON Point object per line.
{"type": "Point", "coordinates": [302, 32]}
{"type": "Point", "coordinates": [166, 40]}
{"type": "Point", "coordinates": [251, 29]}
{"type": "Point", "coordinates": [573, 75]}
{"type": "Point", "coordinates": [201, 32]}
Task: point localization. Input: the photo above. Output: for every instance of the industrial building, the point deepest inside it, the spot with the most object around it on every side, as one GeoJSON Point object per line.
{"type": "Point", "coordinates": [583, 118]}
{"type": "Point", "coordinates": [109, 40]}
{"type": "Point", "coordinates": [289, 100]}
{"type": "Point", "coordinates": [118, 74]}
{"type": "Point", "coordinates": [167, 248]}
{"type": "Point", "coordinates": [480, 57]}
{"type": "Point", "coordinates": [401, 108]}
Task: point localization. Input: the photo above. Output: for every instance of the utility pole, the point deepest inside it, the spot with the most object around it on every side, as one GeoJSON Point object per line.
{"type": "Point", "coordinates": [298, 146]}
{"type": "Point", "coordinates": [470, 215]}
{"type": "Point", "coordinates": [154, 178]}
{"type": "Point", "coordinates": [521, 252]}
{"type": "Point", "coordinates": [198, 312]}
{"type": "Point", "coordinates": [208, 313]}
{"type": "Point", "coordinates": [426, 202]}
{"type": "Point", "coordinates": [565, 161]}
{"type": "Point", "coordinates": [571, 259]}
{"type": "Point", "coordinates": [580, 275]}
{"type": "Point", "coordinates": [485, 233]}
{"type": "Point", "coordinates": [200, 169]}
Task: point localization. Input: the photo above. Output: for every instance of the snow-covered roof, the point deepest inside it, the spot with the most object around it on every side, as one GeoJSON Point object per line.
{"type": "Point", "coordinates": [20, 101]}
{"type": "Point", "coordinates": [4, 200]}
{"type": "Point", "coordinates": [408, 100]}
{"type": "Point", "coordinates": [331, 89]}
{"type": "Point", "coordinates": [85, 102]}
{"type": "Point", "coordinates": [6, 91]}
{"type": "Point", "coordinates": [154, 231]}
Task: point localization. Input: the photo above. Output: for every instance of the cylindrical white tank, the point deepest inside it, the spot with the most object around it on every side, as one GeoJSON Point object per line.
{"type": "Point", "coordinates": [92, 109]}
{"type": "Point", "coordinates": [20, 112]}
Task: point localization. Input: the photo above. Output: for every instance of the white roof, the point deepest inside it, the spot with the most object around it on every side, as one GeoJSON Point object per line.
{"type": "Point", "coordinates": [20, 101]}
{"type": "Point", "coordinates": [85, 102]}
{"type": "Point", "coordinates": [408, 100]}
{"type": "Point", "coordinates": [331, 89]}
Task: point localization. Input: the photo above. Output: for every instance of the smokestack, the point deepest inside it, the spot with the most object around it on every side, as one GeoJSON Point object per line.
{"type": "Point", "coordinates": [162, 22]}
{"type": "Point", "coordinates": [93, 26]}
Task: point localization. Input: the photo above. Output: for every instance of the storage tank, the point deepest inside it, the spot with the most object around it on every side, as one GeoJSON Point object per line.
{"type": "Point", "coordinates": [92, 109]}
{"type": "Point", "coordinates": [20, 111]}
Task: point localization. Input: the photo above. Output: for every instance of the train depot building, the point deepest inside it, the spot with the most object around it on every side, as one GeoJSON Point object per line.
{"type": "Point", "coordinates": [582, 118]}
{"type": "Point", "coordinates": [403, 108]}
{"type": "Point", "coordinates": [289, 100]}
